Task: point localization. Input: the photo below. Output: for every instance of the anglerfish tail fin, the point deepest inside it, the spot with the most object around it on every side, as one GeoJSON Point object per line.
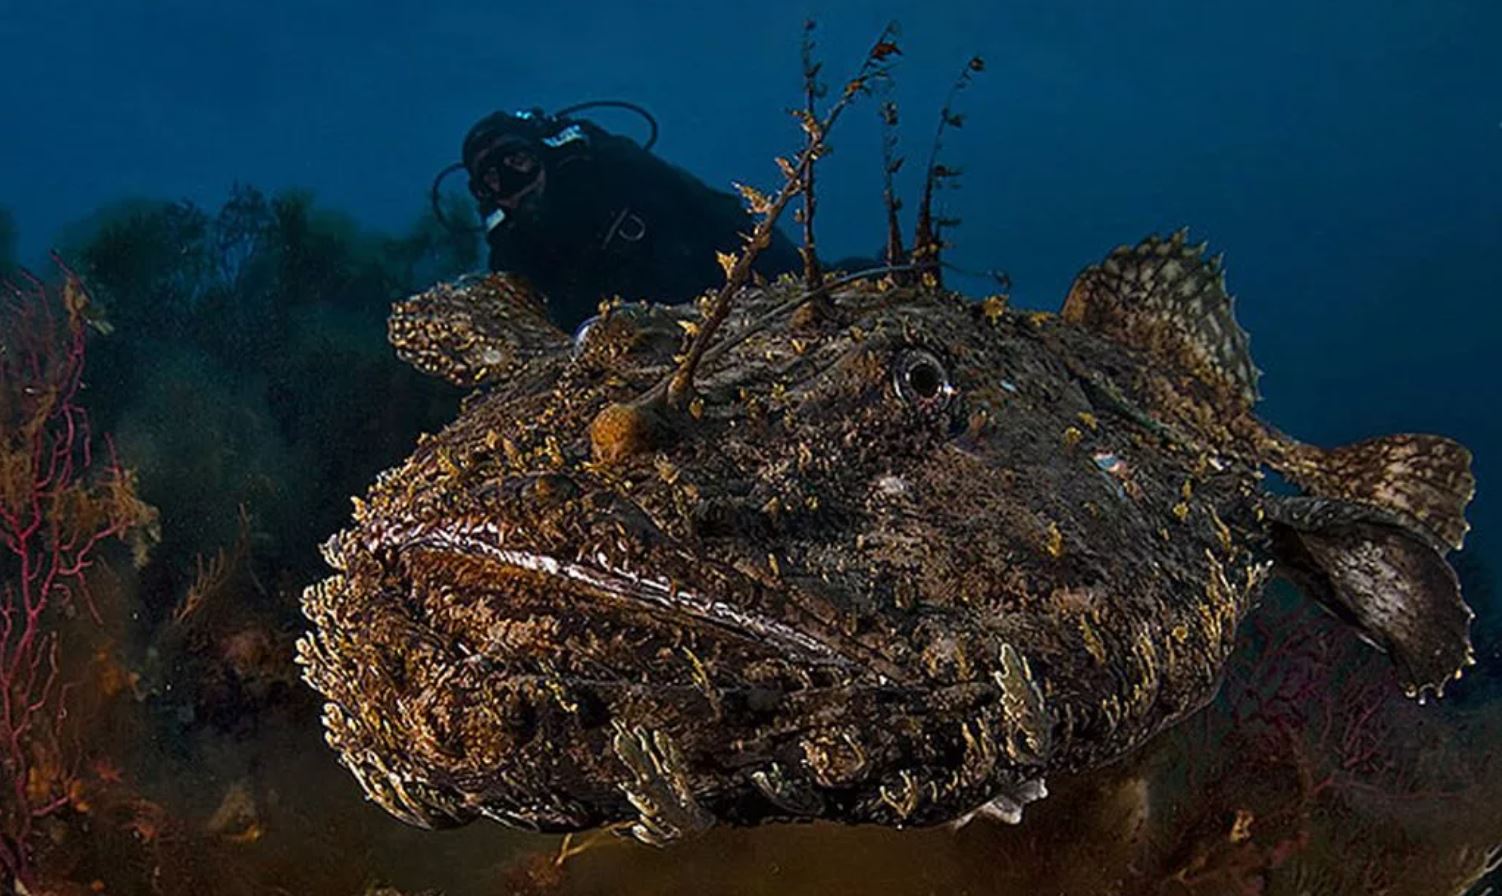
{"type": "Point", "coordinates": [1370, 568]}
{"type": "Point", "coordinates": [1425, 480]}
{"type": "Point", "coordinates": [1165, 298]}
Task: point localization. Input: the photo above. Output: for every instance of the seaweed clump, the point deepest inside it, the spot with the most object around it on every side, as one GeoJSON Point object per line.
{"type": "Point", "coordinates": [238, 356]}
{"type": "Point", "coordinates": [249, 370]}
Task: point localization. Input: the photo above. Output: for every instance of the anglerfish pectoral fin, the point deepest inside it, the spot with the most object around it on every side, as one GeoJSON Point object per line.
{"type": "Point", "coordinates": [475, 330]}
{"type": "Point", "coordinates": [1389, 581]}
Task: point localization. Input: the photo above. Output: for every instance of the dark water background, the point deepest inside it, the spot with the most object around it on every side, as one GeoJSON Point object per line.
{"type": "Point", "coordinates": [1346, 156]}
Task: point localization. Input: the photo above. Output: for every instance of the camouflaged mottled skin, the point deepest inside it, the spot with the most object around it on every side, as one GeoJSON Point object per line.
{"type": "Point", "coordinates": [824, 596]}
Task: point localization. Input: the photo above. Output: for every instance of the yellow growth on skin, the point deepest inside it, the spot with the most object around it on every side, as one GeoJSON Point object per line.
{"type": "Point", "coordinates": [1029, 723]}
{"type": "Point", "coordinates": [1093, 645]}
{"type": "Point", "coordinates": [702, 680]}
{"type": "Point", "coordinates": [1222, 531]}
{"type": "Point", "coordinates": [1055, 541]}
{"type": "Point", "coordinates": [980, 754]}
{"type": "Point", "coordinates": [904, 802]}
{"type": "Point", "coordinates": [1145, 689]}
{"type": "Point", "coordinates": [559, 691]}
{"type": "Point", "coordinates": [1241, 827]}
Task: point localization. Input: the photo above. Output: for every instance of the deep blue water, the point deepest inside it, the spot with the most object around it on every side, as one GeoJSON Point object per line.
{"type": "Point", "coordinates": [1347, 156]}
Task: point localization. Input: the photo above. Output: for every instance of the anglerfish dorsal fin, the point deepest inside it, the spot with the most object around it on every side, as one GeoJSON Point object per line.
{"type": "Point", "coordinates": [1376, 573]}
{"type": "Point", "coordinates": [474, 330]}
{"type": "Point", "coordinates": [1164, 297]}
{"type": "Point", "coordinates": [1425, 479]}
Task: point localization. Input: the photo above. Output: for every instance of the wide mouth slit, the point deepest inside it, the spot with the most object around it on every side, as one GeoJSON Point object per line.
{"type": "Point", "coordinates": [596, 577]}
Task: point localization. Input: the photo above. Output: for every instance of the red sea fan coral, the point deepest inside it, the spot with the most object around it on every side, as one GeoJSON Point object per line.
{"type": "Point", "coordinates": [57, 507]}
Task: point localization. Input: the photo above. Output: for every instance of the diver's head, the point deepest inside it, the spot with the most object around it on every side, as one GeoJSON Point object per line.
{"type": "Point", "coordinates": [504, 155]}
{"type": "Point", "coordinates": [509, 157]}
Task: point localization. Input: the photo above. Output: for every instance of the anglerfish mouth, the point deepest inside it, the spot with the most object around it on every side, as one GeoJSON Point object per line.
{"type": "Point", "coordinates": [596, 576]}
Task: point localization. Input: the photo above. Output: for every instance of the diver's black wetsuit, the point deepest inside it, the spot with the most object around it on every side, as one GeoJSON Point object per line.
{"type": "Point", "coordinates": [611, 219]}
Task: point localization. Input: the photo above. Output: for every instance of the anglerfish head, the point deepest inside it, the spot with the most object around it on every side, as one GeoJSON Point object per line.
{"type": "Point", "coordinates": [852, 465]}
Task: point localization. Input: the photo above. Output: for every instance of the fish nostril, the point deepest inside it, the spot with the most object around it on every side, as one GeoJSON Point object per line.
{"type": "Point", "coordinates": [553, 488]}
{"type": "Point", "coordinates": [962, 425]}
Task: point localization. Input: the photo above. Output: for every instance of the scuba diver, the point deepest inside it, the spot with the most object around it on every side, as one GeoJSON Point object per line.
{"type": "Point", "coordinates": [585, 215]}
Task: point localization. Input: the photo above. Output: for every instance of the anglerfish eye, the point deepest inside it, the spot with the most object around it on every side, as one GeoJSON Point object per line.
{"type": "Point", "coordinates": [921, 379]}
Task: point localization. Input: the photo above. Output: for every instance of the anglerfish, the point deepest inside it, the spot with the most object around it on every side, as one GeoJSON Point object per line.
{"type": "Point", "coordinates": [904, 555]}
